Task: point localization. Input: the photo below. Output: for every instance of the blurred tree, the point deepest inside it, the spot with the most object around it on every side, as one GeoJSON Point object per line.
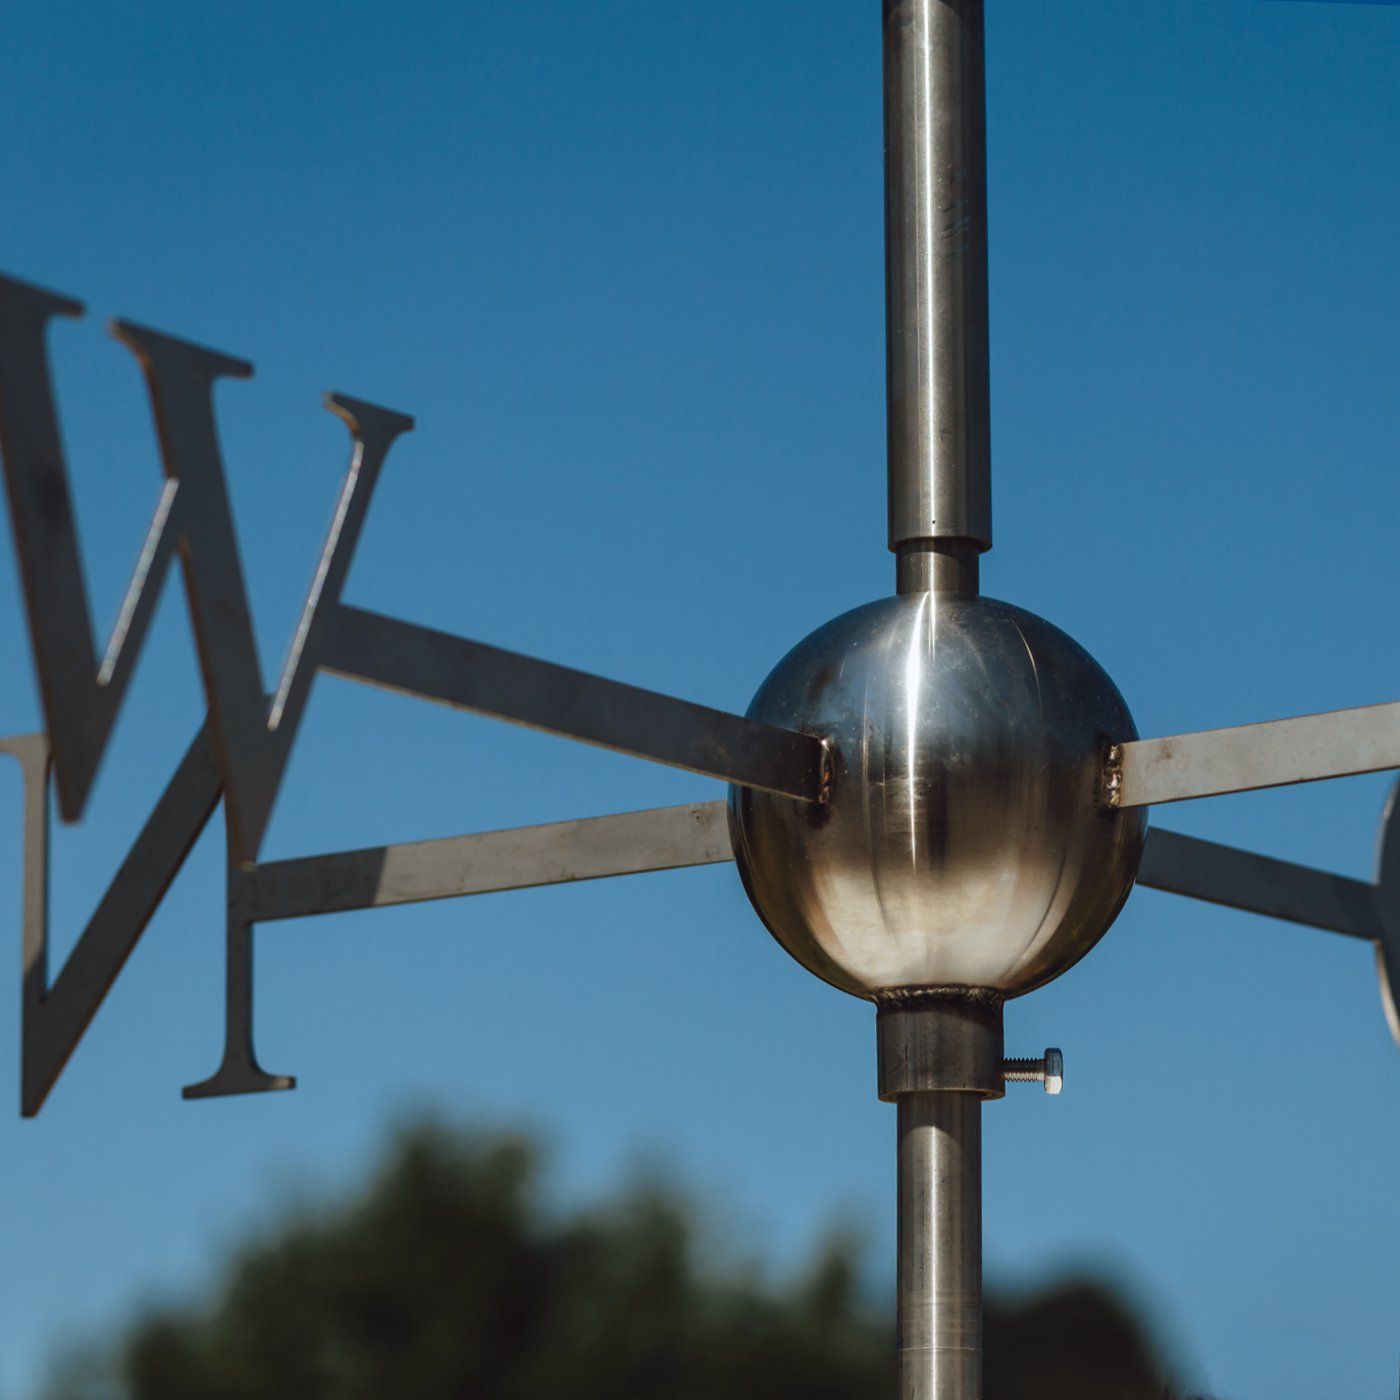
{"type": "Point", "coordinates": [448, 1278]}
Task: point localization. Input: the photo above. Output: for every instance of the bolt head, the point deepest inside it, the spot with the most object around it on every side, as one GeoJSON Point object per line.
{"type": "Point", "coordinates": [964, 843]}
{"type": "Point", "coordinates": [1054, 1071]}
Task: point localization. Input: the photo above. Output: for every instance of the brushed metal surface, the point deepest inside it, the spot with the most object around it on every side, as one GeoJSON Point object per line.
{"type": "Point", "coordinates": [1276, 753]}
{"type": "Point", "coordinates": [413, 660]}
{"type": "Point", "coordinates": [939, 1312]}
{"type": "Point", "coordinates": [964, 844]}
{"type": "Point", "coordinates": [1279, 889]}
{"type": "Point", "coordinates": [943, 1043]}
{"type": "Point", "coordinates": [487, 862]}
{"type": "Point", "coordinates": [937, 371]}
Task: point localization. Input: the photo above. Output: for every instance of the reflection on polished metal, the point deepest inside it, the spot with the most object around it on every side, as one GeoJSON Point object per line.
{"type": "Point", "coordinates": [963, 856]}
{"type": "Point", "coordinates": [937, 801]}
{"type": "Point", "coordinates": [963, 843]}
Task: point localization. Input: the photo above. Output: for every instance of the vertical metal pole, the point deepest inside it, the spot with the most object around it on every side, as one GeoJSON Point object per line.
{"type": "Point", "coordinates": [940, 1246]}
{"type": "Point", "coordinates": [936, 292]}
{"type": "Point", "coordinates": [940, 1056]}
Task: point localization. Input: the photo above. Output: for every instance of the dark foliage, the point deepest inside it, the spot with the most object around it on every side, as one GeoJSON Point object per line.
{"type": "Point", "coordinates": [447, 1278]}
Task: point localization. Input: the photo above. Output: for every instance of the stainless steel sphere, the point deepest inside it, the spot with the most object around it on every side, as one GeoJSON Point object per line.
{"type": "Point", "coordinates": [964, 843]}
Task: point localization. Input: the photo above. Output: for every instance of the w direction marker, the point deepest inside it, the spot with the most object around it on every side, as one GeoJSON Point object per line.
{"type": "Point", "coordinates": [243, 749]}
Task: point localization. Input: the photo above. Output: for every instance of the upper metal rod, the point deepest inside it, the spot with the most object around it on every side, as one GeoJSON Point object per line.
{"type": "Point", "coordinates": [936, 291]}
{"type": "Point", "coordinates": [1274, 754]}
{"type": "Point", "coordinates": [472, 676]}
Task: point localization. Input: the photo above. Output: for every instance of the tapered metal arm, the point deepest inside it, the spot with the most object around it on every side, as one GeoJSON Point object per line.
{"type": "Point", "coordinates": [471, 676]}
{"type": "Point", "coordinates": [592, 848]}
{"type": "Point", "coordinates": [1278, 889]}
{"type": "Point", "coordinates": [1296, 893]}
{"type": "Point", "coordinates": [1275, 754]}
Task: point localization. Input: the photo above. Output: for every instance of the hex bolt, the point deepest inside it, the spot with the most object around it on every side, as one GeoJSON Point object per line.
{"type": "Point", "coordinates": [1049, 1071]}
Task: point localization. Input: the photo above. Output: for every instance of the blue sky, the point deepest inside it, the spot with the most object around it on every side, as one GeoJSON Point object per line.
{"type": "Point", "coordinates": [623, 262]}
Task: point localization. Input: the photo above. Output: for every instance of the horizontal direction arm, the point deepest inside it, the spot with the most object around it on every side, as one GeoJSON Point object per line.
{"type": "Point", "coordinates": [1259, 884]}
{"type": "Point", "coordinates": [506, 685]}
{"type": "Point", "coordinates": [665, 838]}
{"type": "Point", "coordinates": [673, 838]}
{"type": "Point", "coordinates": [1274, 754]}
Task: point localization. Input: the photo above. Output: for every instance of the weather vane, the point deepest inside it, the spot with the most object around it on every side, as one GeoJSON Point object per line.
{"type": "Point", "coordinates": [936, 802]}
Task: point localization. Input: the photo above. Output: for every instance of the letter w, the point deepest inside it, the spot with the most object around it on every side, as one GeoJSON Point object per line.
{"type": "Point", "coordinates": [252, 734]}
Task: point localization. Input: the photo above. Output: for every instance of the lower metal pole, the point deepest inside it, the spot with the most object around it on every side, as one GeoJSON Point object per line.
{"type": "Point", "coordinates": [940, 1056]}
{"type": "Point", "coordinates": [940, 1246]}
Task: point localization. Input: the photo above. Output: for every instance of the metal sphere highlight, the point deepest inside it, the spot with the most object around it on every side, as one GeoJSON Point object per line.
{"type": "Point", "coordinates": [964, 843]}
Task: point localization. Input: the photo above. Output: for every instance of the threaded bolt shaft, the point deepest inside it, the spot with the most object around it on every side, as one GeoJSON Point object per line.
{"type": "Point", "coordinates": [1049, 1070]}
{"type": "Point", "coordinates": [1023, 1071]}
